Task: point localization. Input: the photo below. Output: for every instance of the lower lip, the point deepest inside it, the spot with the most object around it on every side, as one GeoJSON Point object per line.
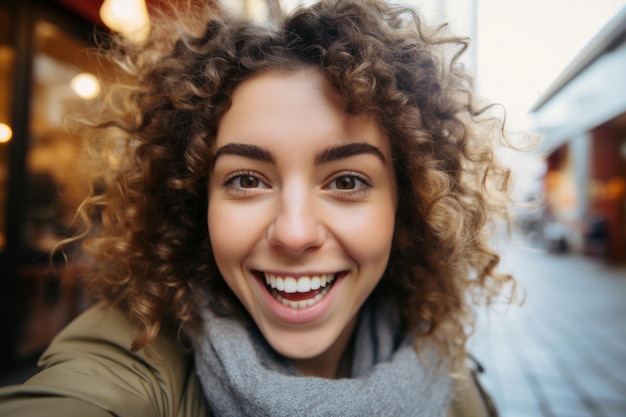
{"type": "Point", "coordinates": [304, 315]}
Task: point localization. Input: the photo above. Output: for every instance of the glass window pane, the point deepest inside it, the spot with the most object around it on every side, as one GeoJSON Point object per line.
{"type": "Point", "coordinates": [54, 183]}
{"type": "Point", "coordinates": [52, 191]}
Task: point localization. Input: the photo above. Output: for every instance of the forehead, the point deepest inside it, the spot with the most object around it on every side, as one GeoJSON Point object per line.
{"type": "Point", "coordinates": [300, 106]}
{"type": "Point", "coordinates": [293, 88]}
{"type": "Point", "coordinates": [277, 95]}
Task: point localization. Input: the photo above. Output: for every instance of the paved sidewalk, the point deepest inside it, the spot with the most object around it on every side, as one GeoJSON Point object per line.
{"type": "Point", "coordinates": [562, 354]}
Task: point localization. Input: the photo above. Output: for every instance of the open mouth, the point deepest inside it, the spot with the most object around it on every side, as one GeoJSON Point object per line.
{"type": "Point", "coordinates": [301, 292]}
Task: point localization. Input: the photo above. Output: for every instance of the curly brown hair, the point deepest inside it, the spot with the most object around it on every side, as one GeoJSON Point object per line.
{"type": "Point", "coordinates": [145, 225]}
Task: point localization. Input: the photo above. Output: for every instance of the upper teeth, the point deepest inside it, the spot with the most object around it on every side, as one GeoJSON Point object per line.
{"type": "Point", "coordinates": [300, 284]}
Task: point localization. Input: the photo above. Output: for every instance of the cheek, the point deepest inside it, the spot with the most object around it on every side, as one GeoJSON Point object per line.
{"type": "Point", "coordinates": [235, 230]}
{"type": "Point", "coordinates": [227, 234]}
{"type": "Point", "coordinates": [367, 234]}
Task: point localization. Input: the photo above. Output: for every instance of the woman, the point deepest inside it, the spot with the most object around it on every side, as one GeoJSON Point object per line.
{"type": "Point", "coordinates": [288, 221]}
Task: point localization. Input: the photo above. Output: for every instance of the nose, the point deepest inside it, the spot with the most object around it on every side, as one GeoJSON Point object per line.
{"type": "Point", "coordinates": [296, 226]}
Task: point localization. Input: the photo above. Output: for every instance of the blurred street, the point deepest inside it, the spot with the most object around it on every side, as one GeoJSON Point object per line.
{"type": "Point", "coordinates": [563, 353]}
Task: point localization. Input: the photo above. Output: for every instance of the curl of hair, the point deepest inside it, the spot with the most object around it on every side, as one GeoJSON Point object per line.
{"type": "Point", "coordinates": [145, 222]}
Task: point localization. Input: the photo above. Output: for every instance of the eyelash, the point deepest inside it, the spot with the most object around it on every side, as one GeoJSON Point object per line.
{"type": "Point", "coordinates": [358, 191]}
{"type": "Point", "coordinates": [228, 182]}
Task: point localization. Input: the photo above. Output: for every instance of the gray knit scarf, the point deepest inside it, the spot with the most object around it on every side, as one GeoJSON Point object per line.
{"type": "Point", "coordinates": [242, 375]}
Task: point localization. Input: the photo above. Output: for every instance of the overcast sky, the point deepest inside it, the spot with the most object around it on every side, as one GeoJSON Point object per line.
{"type": "Point", "coordinates": [523, 45]}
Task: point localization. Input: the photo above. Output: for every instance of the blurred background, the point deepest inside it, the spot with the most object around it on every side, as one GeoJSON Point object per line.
{"type": "Point", "coordinates": [557, 66]}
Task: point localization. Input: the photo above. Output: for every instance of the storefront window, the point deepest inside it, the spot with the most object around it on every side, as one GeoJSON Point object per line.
{"type": "Point", "coordinates": [63, 83]}
{"type": "Point", "coordinates": [55, 187]}
{"type": "Point", "coordinates": [7, 58]}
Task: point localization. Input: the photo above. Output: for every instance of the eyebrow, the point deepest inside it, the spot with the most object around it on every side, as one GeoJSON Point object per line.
{"type": "Point", "coordinates": [246, 150]}
{"type": "Point", "coordinates": [337, 152]}
{"type": "Point", "coordinates": [327, 155]}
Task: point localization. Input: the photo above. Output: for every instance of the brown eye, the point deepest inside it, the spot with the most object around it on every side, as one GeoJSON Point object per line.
{"type": "Point", "coordinates": [248, 181]}
{"type": "Point", "coordinates": [345, 183]}
{"type": "Point", "coordinates": [349, 183]}
{"type": "Point", "coordinates": [251, 182]}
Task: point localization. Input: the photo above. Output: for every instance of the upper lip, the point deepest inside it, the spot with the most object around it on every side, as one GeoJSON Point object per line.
{"type": "Point", "coordinates": [295, 275]}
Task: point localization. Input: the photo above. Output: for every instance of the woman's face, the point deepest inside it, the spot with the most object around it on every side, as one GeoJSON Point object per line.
{"type": "Point", "coordinates": [302, 201]}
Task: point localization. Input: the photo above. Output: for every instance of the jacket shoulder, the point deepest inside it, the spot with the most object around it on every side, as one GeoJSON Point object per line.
{"type": "Point", "coordinates": [470, 398]}
{"type": "Point", "coordinates": [90, 364]}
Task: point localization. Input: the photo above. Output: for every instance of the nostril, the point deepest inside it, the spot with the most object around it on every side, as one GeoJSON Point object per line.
{"type": "Point", "coordinates": [295, 232]}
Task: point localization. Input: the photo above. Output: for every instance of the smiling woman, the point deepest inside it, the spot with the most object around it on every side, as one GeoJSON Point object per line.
{"type": "Point", "coordinates": [288, 221]}
{"type": "Point", "coordinates": [289, 207]}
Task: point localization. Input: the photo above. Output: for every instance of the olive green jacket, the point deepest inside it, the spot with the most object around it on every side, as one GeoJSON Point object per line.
{"type": "Point", "coordinates": [89, 370]}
